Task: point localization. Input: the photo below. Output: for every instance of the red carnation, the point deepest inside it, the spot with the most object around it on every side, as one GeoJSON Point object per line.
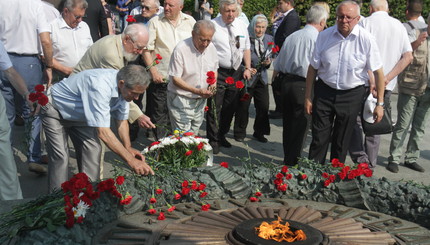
{"type": "Point", "coordinates": [188, 134]}
{"type": "Point", "coordinates": [177, 196]}
{"type": "Point", "coordinates": [33, 97]}
{"type": "Point", "coordinates": [289, 176]}
{"type": "Point", "coordinates": [206, 207]}
{"type": "Point", "coordinates": [284, 169]}
{"type": "Point", "coordinates": [258, 194]}
{"type": "Point", "coordinates": [201, 187]}
{"type": "Point", "coordinates": [270, 43]}
{"type": "Point", "coordinates": [152, 200]}
{"type": "Point", "coordinates": [39, 88]}
{"type": "Point", "coordinates": [279, 176]}
{"type": "Point", "coordinates": [253, 199]}
{"type": "Point", "coordinates": [224, 164]}
{"type": "Point", "coordinates": [152, 211]}
{"type": "Point", "coordinates": [203, 194]}
{"type": "Point", "coordinates": [229, 80]}
{"type": "Point", "coordinates": [206, 108]}
{"type": "Point", "coordinates": [188, 153]}
{"type": "Point", "coordinates": [159, 191]}
{"type": "Point", "coordinates": [240, 84]}
{"type": "Point", "coordinates": [325, 175]}
{"type": "Point", "coordinates": [185, 191]}
{"type": "Point", "coordinates": [211, 80]}
{"type": "Point", "coordinates": [171, 209]}
{"type": "Point", "coordinates": [157, 62]}
{"type": "Point", "coordinates": [185, 183]}
{"type": "Point", "coordinates": [304, 176]}
{"type": "Point", "coordinates": [158, 56]}
{"type": "Point", "coordinates": [43, 100]}
{"type": "Point", "coordinates": [282, 187]}
{"type": "Point", "coordinates": [126, 200]}
{"type": "Point", "coordinates": [210, 74]}
{"type": "Point", "coordinates": [194, 185]}
{"type": "Point", "coordinates": [119, 180]}
{"type": "Point", "coordinates": [200, 146]}
{"type": "Point", "coordinates": [161, 216]}
{"type": "Point", "coordinates": [327, 182]}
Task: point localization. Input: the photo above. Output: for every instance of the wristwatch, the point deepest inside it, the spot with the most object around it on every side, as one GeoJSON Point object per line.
{"type": "Point", "coordinates": [380, 103]}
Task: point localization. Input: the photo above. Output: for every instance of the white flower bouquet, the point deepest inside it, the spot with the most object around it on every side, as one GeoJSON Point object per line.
{"type": "Point", "coordinates": [178, 151]}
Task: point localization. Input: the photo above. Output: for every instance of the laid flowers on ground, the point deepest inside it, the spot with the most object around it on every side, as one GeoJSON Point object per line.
{"type": "Point", "coordinates": [178, 151]}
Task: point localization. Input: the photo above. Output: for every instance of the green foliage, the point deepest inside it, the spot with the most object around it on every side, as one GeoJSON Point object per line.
{"type": "Point", "coordinates": [252, 7]}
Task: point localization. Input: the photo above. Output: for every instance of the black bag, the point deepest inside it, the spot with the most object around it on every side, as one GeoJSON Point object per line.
{"type": "Point", "coordinates": [385, 126]}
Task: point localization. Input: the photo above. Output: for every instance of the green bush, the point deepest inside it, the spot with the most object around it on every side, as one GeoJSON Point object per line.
{"type": "Point", "coordinates": [251, 7]}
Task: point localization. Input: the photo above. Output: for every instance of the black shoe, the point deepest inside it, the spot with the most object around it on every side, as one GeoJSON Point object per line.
{"type": "Point", "coordinates": [260, 138]}
{"type": "Point", "coordinates": [224, 143]}
{"type": "Point", "coordinates": [393, 167]}
{"type": "Point", "coordinates": [238, 139]}
{"type": "Point", "coordinates": [215, 147]}
{"type": "Point", "coordinates": [275, 115]}
{"type": "Point", "coordinates": [414, 166]}
{"type": "Point", "coordinates": [19, 121]}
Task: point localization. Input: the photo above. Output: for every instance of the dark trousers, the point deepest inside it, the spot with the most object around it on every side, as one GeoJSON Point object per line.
{"type": "Point", "coordinates": [260, 93]}
{"type": "Point", "coordinates": [225, 101]}
{"type": "Point", "coordinates": [156, 108]}
{"type": "Point", "coordinates": [295, 121]}
{"type": "Point", "coordinates": [276, 89]}
{"type": "Point", "coordinates": [334, 114]}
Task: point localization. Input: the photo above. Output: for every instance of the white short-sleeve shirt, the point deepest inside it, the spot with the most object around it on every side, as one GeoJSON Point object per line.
{"type": "Point", "coordinates": [69, 44]}
{"type": "Point", "coordinates": [343, 62]}
{"type": "Point", "coordinates": [221, 40]}
{"type": "Point", "coordinates": [192, 66]}
{"type": "Point", "coordinates": [392, 40]}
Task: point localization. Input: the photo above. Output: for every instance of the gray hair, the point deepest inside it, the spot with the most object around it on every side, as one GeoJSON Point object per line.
{"type": "Point", "coordinates": [71, 4]}
{"type": "Point", "coordinates": [223, 3]}
{"type": "Point", "coordinates": [156, 2]}
{"type": "Point", "coordinates": [379, 5]}
{"type": "Point", "coordinates": [133, 31]}
{"type": "Point", "coordinates": [316, 14]}
{"type": "Point", "coordinates": [347, 2]}
{"type": "Point", "coordinates": [134, 75]}
{"type": "Point", "coordinates": [203, 24]}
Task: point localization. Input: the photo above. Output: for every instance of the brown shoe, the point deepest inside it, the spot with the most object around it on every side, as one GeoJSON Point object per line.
{"type": "Point", "coordinates": [37, 168]}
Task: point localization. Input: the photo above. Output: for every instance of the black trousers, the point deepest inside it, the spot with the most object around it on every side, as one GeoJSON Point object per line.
{"type": "Point", "coordinates": [225, 100]}
{"type": "Point", "coordinates": [260, 93]}
{"type": "Point", "coordinates": [295, 121]}
{"type": "Point", "coordinates": [156, 108]}
{"type": "Point", "coordinates": [334, 114]}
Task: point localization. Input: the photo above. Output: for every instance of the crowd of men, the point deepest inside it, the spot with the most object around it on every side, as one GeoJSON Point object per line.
{"type": "Point", "coordinates": [190, 69]}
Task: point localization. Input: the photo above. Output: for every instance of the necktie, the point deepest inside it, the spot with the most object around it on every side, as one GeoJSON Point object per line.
{"type": "Point", "coordinates": [234, 47]}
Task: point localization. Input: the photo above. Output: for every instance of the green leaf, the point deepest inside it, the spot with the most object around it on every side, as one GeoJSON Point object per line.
{"type": "Point", "coordinates": [28, 221]}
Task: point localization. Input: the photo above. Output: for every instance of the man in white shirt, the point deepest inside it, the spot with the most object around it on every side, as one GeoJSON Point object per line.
{"type": "Point", "coordinates": [342, 56]}
{"type": "Point", "coordinates": [396, 54]}
{"type": "Point", "coordinates": [81, 107]}
{"type": "Point", "coordinates": [231, 40]}
{"type": "Point", "coordinates": [188, 89]}
{"type": "Point", "coordinates": [292, 66]}
{"type": "Point", "coordinates": [70, 37]}
{"type": "Point", "coordinates": [165, 32]}
{"type": "Point", "coordinates": [22, 25]}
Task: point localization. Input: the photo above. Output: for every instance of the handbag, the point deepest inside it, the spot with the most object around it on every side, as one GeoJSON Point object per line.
{"type": "Point", "coordinates": [385, 126]}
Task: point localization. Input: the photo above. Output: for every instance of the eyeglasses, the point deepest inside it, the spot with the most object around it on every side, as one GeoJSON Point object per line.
{"type": "Point", "coordinates": [347, 18]}
{"type": "Point", "coordinates": [135, 46]}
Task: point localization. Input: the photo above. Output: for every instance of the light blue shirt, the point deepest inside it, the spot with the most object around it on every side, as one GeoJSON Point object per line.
{"type": "Point", "coordinates": [91, 96]}
{"type": "Point", "coordinates": [296, 52]}
{"type": "Point", "coordinates": [5, 62]}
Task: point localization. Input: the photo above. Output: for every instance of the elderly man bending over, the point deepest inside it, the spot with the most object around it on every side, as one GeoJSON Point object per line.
{"type": "Point", "coordinates": [191, 60]}
{"type": "Point", "coordinates": [81, 107]}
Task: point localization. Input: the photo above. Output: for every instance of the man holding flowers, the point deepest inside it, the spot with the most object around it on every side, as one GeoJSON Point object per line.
{"type": "Point", "coordinates": [81, 107]}
{"type": "Point", "coordinates": [231, 40]}
{"type": "Point", "coordinates": [192, 74]}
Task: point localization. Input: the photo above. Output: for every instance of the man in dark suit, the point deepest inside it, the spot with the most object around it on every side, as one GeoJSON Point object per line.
{"type": "Point", "coordinates": [96, 19]}
{"type": "Point", "coordinates": [289, 24]}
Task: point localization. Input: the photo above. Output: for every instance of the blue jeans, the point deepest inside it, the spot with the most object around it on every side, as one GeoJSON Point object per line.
{"type": "Point", "coordinates": [30, 69]}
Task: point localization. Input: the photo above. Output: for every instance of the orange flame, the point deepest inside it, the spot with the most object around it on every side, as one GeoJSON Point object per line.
{"type": "Point", "coordinates": [279, 232]}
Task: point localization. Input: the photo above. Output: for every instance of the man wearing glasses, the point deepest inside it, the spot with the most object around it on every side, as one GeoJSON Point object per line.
{"type": "Point", "coordinates": [165, 32]}
{"type": "Point", "coordinates": [115, 52]}
{"type": "Point", "coordinates": [71, 38]}
{"type": "Point", "coordinates": [149, 9]}
{"type": "Point", "coordinates": [231, 40]}
{"type": "Point", "coordinates": [342, 56]}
